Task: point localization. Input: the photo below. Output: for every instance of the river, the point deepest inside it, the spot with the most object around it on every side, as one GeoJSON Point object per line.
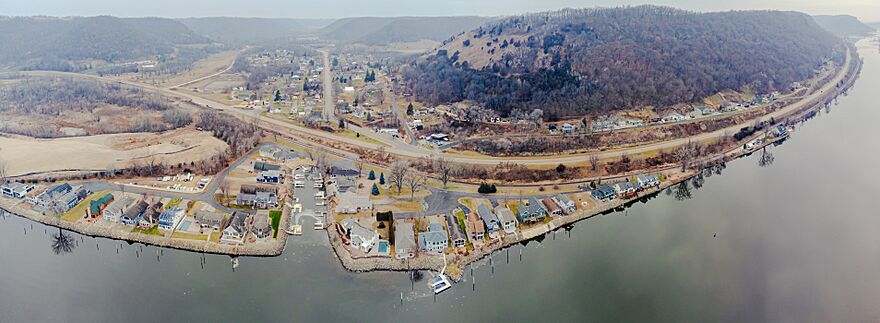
{"type": "Point", "coordinates": [795, 238]}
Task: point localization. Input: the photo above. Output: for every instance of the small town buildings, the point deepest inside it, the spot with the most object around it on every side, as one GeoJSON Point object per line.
{"type": "Point", "coordinates": [170, 218]}
{"type": "Point", "coordinates": [258, 196]}
{"type": "Point", "coordinates": [359, 237]}
{"type": "Point", "coordinates": [489, 219]}
{"type": "Point", "coordinates": [603, 193]}
{"type": "Point", "coordinates": [46, 198]}
{"type": "Point", "coordinates": [344, 184]}
{"type": "Point", "coordinates": [352, 203]}
{"type": "Point", "coordinates": [263, 166]}
{"type": "Point", "coordinates": [261, 227]}
{"type": "Point", "coordinates": [404, 240]}
{"type": "Point", "coordinates": [475, 227]}
{"type": "Point", "coordinates": [150, 218]}
{"type": "Point", "coordinates": [673, 117]}
{"type": "Point", "coordinates": [435, 240]}
{"type": "Point", "coordinates": [507, 219]}
{"type": "Point", "coordinates": [270, 176]}
{"type": "Point", "coordinates": [646, 181]}
{"type": "Point", "coordinates": [114, 211]}
{"type": "Point", "coordinates": [624, 189]}
{"type": "Point", "coordinates": [210, 220]}
{"type": "Point", "coordinates": [565, 203]}
{"type": "Point", "coordinates": [96, 207]}
{"type": "Point", "coordinates": [133, 214]}
{"type": "Point", "coordinates": [567, 128]}
{"type": "Point", "coordinates": [531, 212]}
{"type": "Point", "coordinates": [337, 171]}
{"type": "Point", "coordinates": [552, 208]}
{"type": "Point", "coordinates": [456, 232]}
{"type": "Point", "coordinates": [16, 190]}
{"type": "Point", "coordinates": [235, 230]}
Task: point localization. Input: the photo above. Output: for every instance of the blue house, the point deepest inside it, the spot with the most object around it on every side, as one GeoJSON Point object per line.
{"type": "Point", "coordinates": [269, 176]}
{"type": "Point", "coordinates": [489, 219]}
{"type": "Point", "coordinates": [531, 212]}
{"type": "Point", "coordinates": [603, 193]}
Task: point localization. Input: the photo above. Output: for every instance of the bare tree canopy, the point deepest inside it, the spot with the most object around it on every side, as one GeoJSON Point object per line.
{"type": "Point", "coordinates": [415, 181]}
{"type": "Point", "coordinates": [399, 170]}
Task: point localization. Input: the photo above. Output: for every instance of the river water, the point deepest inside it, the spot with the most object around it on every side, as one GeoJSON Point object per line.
{"type": "Point", "coordinates": [794, 240]}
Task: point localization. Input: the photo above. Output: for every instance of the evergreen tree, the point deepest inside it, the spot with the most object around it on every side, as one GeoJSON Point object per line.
{"type": "Point", "coordinates": [375, 189]}
{"type": "Point", "coordinates": [277, 95]}
{"type": "Point", "coordinates": [409, 109]}
{"type": "Point", "coordinates": [382, 179]}
{"type": "Point", "coordinates": [341, 124]}
{"type": "Point", "coordinates": [372, 175]}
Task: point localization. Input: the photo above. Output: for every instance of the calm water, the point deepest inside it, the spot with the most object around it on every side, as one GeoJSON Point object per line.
{"type": "Point", "coordinates": [797, 241]}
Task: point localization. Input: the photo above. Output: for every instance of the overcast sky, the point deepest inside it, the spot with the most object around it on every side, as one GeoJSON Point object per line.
{"type": "Point", "coordinates": [866, 10]}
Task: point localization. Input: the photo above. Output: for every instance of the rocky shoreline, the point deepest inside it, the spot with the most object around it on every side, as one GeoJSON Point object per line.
{"type": "Point", "coordinates": [263, 249]}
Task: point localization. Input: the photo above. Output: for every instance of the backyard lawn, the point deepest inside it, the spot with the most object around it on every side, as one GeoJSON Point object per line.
{"type": "Point", "coordinates": [276, 219]}
{"type": "Point", "coordinates": [78, 211]}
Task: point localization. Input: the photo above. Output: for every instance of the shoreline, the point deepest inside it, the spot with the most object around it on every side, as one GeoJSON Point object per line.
{"type": "Point", "coordinates": [277, 246]}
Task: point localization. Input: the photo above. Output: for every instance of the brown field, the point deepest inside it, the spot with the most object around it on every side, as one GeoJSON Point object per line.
{"type": "Point", "coordinates": [25, 154]}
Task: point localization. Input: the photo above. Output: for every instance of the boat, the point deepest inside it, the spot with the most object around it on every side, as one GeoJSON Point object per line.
{"type": "Point", "coordinates": [440, 283]}
{"type": "Point", "coordinates": [319, 226]}
{"type": "Point", "coordinates": [234, 262]}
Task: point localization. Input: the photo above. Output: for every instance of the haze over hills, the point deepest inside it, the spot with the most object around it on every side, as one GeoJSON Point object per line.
{"type": "Point", "coordinates": [382, 30]}
{"type": "Point", "coordinates": [235, 30]}
{"type": "Point", "coordinates": [580, 61]}
{"type": "Point", "coordinates": [843, 25]}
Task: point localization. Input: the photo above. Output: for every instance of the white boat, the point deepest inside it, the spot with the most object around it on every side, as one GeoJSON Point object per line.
{"type": "Point", "coordinates": [440, 283]}
{"type": "Point", "coordinates": [234, 262]}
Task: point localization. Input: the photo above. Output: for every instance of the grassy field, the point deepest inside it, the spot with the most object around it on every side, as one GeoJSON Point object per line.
{"type": "Point", "coordinates": [189, 236]}
{"type": "Point", "coordinates": [348, 133]}
{"type": "Point", "coordinates": [153, 231]}
{"type": "Point", "coordinates": [275, 215]}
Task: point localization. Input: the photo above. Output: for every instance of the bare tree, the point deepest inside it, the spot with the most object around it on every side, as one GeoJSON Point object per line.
{"type": "Point", "coordinates": [686, 154]}
{"type": "Point", "coordinates": [359, 163]}
{"type": "Point", "coordinates": [4, 170]}
{"type": "Point", "coordinates": [414, 181]}
{"type": "Point", "coordinates": [224, 191]}
{"type": "Point", "coordinates": [594, 162]}
{"type": "Point", "coordinates": [399, 169]}
{"type": "Point", "coordinates": [444, 168]}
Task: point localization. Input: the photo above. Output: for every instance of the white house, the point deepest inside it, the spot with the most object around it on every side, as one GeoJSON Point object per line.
{"type": "Point", "coordinates": [358, 236]}
{"type": "Point", "coordinates": [351, 203]}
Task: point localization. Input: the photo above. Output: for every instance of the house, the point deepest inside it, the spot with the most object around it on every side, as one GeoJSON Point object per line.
{"type": "Point", "coordinates": [507, 219]}
{"type": "Point", "coordinates": [358, 236]}
{"type": "Point", "coordinates": [567, 128]}
{"type": "Point", "coordinates": [69, 200]}
{"type": "Point", "coordinates": [673, 117]}
{"type": "Point", "coordinates": [456, 232]}
{"type": "Point", "coordinates": [263, 166]}
{"type": "Point", "coordinates": [236, 228]}
{"type": "Point", "coordinates": [336, 171]}
{"type": "Point", "coordinates": [603, 193]}
{"type": "Point", "coordinates": [475, 227]}
{"type": "Point", "coordinates": [212, 220]}
{"type": "Point", "coordinates": [351, 203]}
{"type": "Point", "coordinates": [531, 212]}
{"type": "Point", "coordinates": [258, 196]}
{"type": "Point", "coordinates": [261, 227]}
{"type": "Point", "coordinates": [150, 217]}
{"type": "Point", "coordinates": [435, 240]}
{"type": "Point", "coordinates": [646, 181]}
{"type": "Point", "coordinates": [489, 219]}
{"type": "Point", "coordinates": [552, 208]}
{"type": "Point", "coordinates": [404, 240]}
{"type": "Point", "coordinates": [170, 218]}
{"type": "Point", "coordinates": [16, 190]}
{"type": "Point", "coordinates": [133, 214]}
{"type": "Point", "coordinates": [625, 188]}
{"type": "Point", "coordinates": [565, 203]}
{"type": "Point", "coordinates": [114, 211]}
{"type": "Point", "coordinates": [270, 176]}
{"type": "Point", "coordinates": [344, 184]}
{"type": "Point", "coordinates": [96, 207]}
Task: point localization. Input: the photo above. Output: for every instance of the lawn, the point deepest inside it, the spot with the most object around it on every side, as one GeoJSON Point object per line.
{"type": "Point", "coordinates": [348, 133]}
{"type": "Point", "coordinates": [276, 219]}
{"type": "Point", "coordinates": [189, 236]}
{"type": "Point", "coordinates": [174, 202]}
{"type": "Point", "coordinates": [78, 211]}
{"type": "Point", "coordinates": [153, 231]}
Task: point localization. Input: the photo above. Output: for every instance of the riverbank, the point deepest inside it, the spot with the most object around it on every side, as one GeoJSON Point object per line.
{"type": "Point", "coordinates": [262, 249]}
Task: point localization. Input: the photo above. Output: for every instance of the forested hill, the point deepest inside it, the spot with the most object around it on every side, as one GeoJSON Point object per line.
{"type": "Point", "coordinates": [64, 43]}
{"type": "Point", "coordinates": [580, 61]}
{"type": "Point", "coordinates": [844, 25]}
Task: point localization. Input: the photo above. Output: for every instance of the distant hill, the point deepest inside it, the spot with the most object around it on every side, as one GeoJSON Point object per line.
{"type": "Point", "coordinates": [382, 30]}
{"type": "Point", "coordinates": [62, 43]}
{"type": "Point", "coordinates": [844, 25]}
{"type": "Point", "coordinates": [234, 30]}
{"type": "Point", "coordinates": [581, 61]}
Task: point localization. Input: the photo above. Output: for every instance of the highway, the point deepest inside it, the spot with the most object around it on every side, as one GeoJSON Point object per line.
{"type": "Point", "coordinates": [400, 148]}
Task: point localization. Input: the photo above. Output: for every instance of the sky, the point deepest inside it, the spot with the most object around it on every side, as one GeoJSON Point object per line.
{"type": "Point", "coordinates": [865, 10]}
